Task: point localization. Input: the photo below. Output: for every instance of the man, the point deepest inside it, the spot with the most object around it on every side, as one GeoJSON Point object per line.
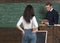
{"type": "Point", "coordinates": [51, 15]}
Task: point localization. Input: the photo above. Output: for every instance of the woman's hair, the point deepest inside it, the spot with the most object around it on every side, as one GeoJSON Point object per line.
{"type": "Point", "coordinates": [28, 13]}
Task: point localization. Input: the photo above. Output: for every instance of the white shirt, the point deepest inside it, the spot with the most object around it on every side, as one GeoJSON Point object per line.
{"type": "Point", "coordinates": [33, 23]}
{"type": "Point", "coordinates": [51, 9]}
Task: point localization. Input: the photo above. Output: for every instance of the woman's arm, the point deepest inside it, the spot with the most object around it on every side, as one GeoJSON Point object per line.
{"type": "Point", "coordinates": [19, 23]}
{"type": "Point", "coordinates": [20, 29]}
{"type": "Point", "coordinates": [35, 29]}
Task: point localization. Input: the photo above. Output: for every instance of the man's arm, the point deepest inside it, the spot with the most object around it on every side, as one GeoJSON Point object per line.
{"type": "Point", "coordinates": [56, 17]}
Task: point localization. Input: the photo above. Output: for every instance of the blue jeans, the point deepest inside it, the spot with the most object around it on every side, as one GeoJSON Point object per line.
{"type": "Point", "coordinates": [29, 36]}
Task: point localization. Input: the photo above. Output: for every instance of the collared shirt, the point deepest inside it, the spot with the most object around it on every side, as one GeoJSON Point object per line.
{"type": "Point", "coordinates": [51, 9]}
{"type": "Point", "coordinates": [33, 23]}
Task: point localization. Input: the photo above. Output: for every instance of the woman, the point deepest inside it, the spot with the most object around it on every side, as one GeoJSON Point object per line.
{"type": "Point", "coordinates": [30, 25]}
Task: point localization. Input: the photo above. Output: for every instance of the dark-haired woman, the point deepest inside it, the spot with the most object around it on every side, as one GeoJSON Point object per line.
{"type": "Point", "coordinates": [30, 25]}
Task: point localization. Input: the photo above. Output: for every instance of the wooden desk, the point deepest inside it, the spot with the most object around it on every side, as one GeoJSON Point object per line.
{"type": "Point", "coordinates": [13, 35]}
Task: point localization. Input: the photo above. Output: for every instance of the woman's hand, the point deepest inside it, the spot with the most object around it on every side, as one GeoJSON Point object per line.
{"type": "Point", "coordinates": [23, 31]}
{"type": "Point", "coordinates": [20, 29]}
{"type": "Point", "coordinates": [35, 29]}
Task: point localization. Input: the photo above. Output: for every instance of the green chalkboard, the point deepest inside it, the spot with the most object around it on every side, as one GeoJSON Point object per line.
{"type": "Point", "coordinates": [11, 12]}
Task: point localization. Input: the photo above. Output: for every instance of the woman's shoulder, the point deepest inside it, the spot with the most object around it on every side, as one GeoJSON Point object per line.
{"type": "Point", "coordinates": [21, 17]}
{"type": "Point", "coordinates": [34, 17]}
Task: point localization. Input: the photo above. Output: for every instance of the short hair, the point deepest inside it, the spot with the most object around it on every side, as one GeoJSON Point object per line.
{"type": "Point", "coordinates": [48, 3]}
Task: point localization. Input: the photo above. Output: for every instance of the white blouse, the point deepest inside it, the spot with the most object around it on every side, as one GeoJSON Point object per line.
{"type": "Point", "coordinates": [33, 23]}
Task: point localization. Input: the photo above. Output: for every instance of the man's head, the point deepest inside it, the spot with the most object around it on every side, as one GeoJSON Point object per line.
{"type": "Point", "coordinates": [48, 6]}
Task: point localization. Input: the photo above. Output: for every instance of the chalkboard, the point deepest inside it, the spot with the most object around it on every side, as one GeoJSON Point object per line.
{"type": "Point", "coordinates": [11, 12]}
{"type": "Point", "coordinates": [42, 36]}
